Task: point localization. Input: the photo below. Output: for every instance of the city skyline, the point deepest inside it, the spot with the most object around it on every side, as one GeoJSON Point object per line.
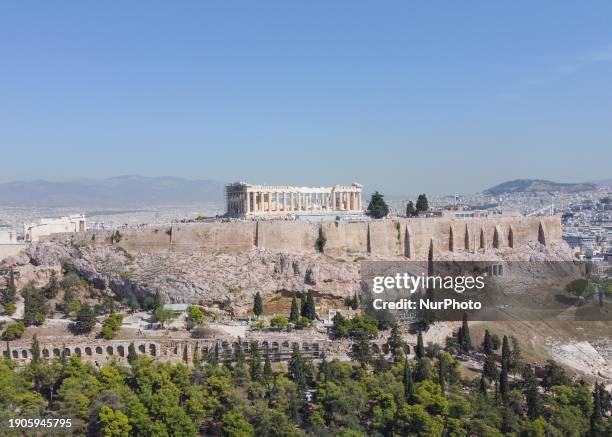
{"type": "Point", "coordinates": [443, 100]}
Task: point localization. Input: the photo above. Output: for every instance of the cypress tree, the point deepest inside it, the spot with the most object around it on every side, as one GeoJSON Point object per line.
{"type": "Point", "coordinates": [254, 361]}
{"type": "Point", "coordinates": [267, 369]}
{"type": "Point", "coordinates": [420, 348]}
{"type": "Point", "coordinates": [466, 342]}
{"type": "Point", "coordinates": [302, 305]}
{"type": "Point", "coordinates": [395, 343]}
{"type": "Point", "coordinates": [596, 415]}
{"type": "Point", "coordinates": [309, 307]}
{"type": "Point", "coordinates": [503, 381]}
{"type": "Point", "coordinates": [324, 367]}
{"type": "Point", "coordinates": [505, 352]}
{"type": "Point", "coordinates": [294, 315]}
{"type": "Point", "coordinates": [410, 209]}
{"type": "Point", "coordinates": [408, 383]}
{"type": "Point", "coordinates": [487, 344]}
{"type": "Point", "coordinates": [132, 355]}
{"type": "Point", "coordinates": [483, 385]}
{"type": "Point", "coordinates": [35, 350]}
{"type": "Point", "coordinates": [490, 368]}
{"type": "Point", "coordinates": [257, 305]}
{"type": "Point", "coordinates": [296, 368]}
{"type": "Point", "coordinates": [534, 402]}
{"type": "Point", "coordinates": [441, 373]}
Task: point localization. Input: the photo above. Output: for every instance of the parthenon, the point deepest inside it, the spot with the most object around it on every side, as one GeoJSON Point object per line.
{"type": "Point", "coordinates": [246, 200]}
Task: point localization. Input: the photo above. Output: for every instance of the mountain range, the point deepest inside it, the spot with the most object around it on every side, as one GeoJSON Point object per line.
{"type": "Point", "coordinates": [539, 186]}
{"type": "Point", "coordinates": [120, 191]}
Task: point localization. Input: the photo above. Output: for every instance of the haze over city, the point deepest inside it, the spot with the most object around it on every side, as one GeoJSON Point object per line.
{"type": "Point", "coordinates": [447, 99]}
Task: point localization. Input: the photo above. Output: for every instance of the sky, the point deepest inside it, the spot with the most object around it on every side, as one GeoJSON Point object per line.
{"type": "Point", "coordinates": [403, 97]}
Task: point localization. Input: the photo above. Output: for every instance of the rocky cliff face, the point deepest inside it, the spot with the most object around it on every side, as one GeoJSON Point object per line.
{"type": "Point", "coordinates": [226, 281]}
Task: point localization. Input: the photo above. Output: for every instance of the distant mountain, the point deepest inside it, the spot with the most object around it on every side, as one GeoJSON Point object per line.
{"type": "Point", "coordinates": [604, 183]}
{"type": "Point", "coordinates": [118, 191]}
{"type": "Point", "coordinates": [537, 186]}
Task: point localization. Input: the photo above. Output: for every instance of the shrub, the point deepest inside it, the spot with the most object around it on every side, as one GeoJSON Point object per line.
{"type": "Point", "coordinates": [112, 326]}
{"type": "Point", "coordinates": [13, 331]}
{"type": "Point", "coordinates": [280, 322]}
{"type": "Point", "coordinates": [9, 308]}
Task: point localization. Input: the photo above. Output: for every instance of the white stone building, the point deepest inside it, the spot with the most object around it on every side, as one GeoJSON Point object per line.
{"type": "Point", "coordinates": [47, 226]}
{"type": "Point", "coordinates": [244, 199]}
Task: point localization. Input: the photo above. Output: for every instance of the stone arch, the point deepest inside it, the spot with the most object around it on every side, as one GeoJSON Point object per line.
{"type": "Point", "coordinates": [109, 350]}
{"type": "Point", "coordinates": [142, 349]}
{"type": "Point", "coordinates": [176, 351]}
{"type": "Point", "coordinates": [375, 348]}
{"type": "Point", "coordinates": [56, 352]}
{"type": "Point", "coordinates": [152, 350]}
{"type": "Point", "coordinates": [483, 242]}
{"type": "Point", "coordinates": [67, 352]}
{"type": "Point", "coordinates": [407, 248]}
{"type": "Point", "coordinates": [466, 238]}
{"type": "Point", "coordinates": [99, 350]}
{"type": "Point", "coordinates": [451, 239]}
{"type": "Point", "coordinates": [120, 351]}
{"type": "Point", "coordinates": [15, 354]}
{"type": "Point", "coordinates": [510, 237]}
{"type": "Point", "coordinates": [305, 346]}
{"type": "Point", "coordinates": [541, 234]}
{"type": "Point", "coordinates": [495, 238]}
{"type": "Point", "coordinates": [88, 351]}
{"type": "Point", "coordinates": [77, 351]}
{"type": "Point", "coordinates": [46, 353]}
{"type": "Point", "coordinates": [24, 353]}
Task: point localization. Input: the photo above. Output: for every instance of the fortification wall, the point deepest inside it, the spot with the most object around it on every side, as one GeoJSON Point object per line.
{"type": "Point", "coordinates": [393, 237]}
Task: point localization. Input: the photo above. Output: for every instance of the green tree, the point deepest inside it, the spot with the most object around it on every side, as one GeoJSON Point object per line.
{"type": "Point", "coordinates": [408, 383]}
{"type": "Point", "coordinates": [85, 319]}
{"type": "Point", "coordinates": [503, 381]}
{"type": "Point", "coordinates": [308, 310]}
{"type": "Point", "coordinates": [34, 305]}
{"type": "Point", "coordinates": [257, 305]}
{"type": "Point", "coordinates": [515, 362]}
{"type": "Point", "coordinates": [132, 356]}
{"type": "Point", "coordinates": [378, 208]}
{"type": "Point", "coordinates": [294, 315]}
{"type": "Point", "coordinates": [422, 204]}
{"type": "Point", "coordinates": [489, 368]}
{"type": "Point", "coordinates": [395, 343]}
{"type": "Point", "coordinates": [487, 344]}
{"type": "Point", "coordinates": [161, 315]}
{"type": "Point", "coordinates": [111, 326]}
{"type": "Point", "coordinates": [235, 425]}
{"type": "Point", "coordinates": [532, 396]}
{"type": "Point", "coordinates": [321, 241]}
{"type": "Point", "coordinates": [35, 348]}
{"type": "Point", "coordinates": [13, 331]}
{"type": "Point", "coordinates": [297, 367]}
{"type": "Point", "coordinates": [255, 361]}
{"type": "Point", "coordinates": [279, 321]}
{"type": "Point", "coordinates": [505, 352]}
{"type": "Point", "coordinates": [410, 209]}
{"type": "Point", "coordinates": [267, 368]}
{"type": "Point", "coordinates": [361, 352]}
{"type": "Point", "coordinates": [114, 423]}
{"type": "Point", "coordinates": [420, 348]}
{"type": "Point", "coordinates": [465, 341]}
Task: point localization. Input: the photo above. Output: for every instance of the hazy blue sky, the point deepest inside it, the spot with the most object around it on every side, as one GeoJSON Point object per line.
{"type": "Point", "coordinates": [402, 96]}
